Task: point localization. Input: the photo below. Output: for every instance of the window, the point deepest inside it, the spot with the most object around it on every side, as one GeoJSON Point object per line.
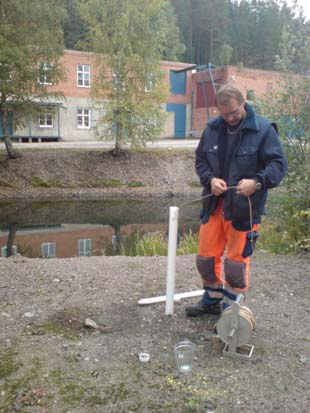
{"type": "Point", "coordinates": [5, 251]}
{"type": "Point", "coordinates": [83, 75]}
{"type": "Point", "coordinates": [46, 120]}
{"type": "Point", "coordinates": [48, 249]}
{"type": "Point", "coordinates": [83, 118]}
{"type": "Point", "coordinates": [45, 73]}
{"type": "Point", "coordinates": [84, 247]}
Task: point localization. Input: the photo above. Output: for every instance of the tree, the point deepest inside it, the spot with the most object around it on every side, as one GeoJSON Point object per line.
{"type": "Point", "coordinates": [73, 27]}
{"type": "Point", "coordinates": [289, 107]}
{"type": "Point", "coordinates": [129, 37]}
{"type": "Point", "coordinates": [31, 43]}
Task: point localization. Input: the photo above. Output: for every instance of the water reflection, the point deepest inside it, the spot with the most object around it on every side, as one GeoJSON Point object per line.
{"type": "Point", "coordinates": [84, 228]}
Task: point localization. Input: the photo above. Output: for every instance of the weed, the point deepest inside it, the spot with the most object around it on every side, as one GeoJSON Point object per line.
{"type": "Point", "coordinates": [111, 183]}
{"type": "Point", "coordinates": [188, 244]}
{"type": "Point", "coordinates": [67, 331]}
{"type": "Point", "coordinates": [8, 364]}
{"type": "Point", "coordinates": [135, 184]}
{"type": "Point", "coordinates": [156, 244]}
{"type": "Point", "coordinates": [194, 184]}
{"type": "Point", "coordinates": [45, 183]}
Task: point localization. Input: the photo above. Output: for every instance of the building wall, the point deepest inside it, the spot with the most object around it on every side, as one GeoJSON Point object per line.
{"type": "Point", "coordinates": [70, 60]}
{"type": "Point", "coordinates": [258, 81]}
{"type": "Point", "coordinates": [261, 82]}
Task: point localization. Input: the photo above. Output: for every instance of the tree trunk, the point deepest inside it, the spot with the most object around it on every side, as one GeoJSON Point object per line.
{"type": "Point", "coordinates": [118, 141]}
{"type": "Point", "coordinates": [12, 154]}
{"type": "Point", "coordinates": [10, 241]}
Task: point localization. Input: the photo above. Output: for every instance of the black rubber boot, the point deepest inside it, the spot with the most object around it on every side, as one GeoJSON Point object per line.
{"type": "Point", "coordinates": [200, 309]}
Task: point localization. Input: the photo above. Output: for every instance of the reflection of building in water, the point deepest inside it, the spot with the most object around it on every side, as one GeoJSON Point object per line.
{"type": "Point", "coordinates": [69, 240]}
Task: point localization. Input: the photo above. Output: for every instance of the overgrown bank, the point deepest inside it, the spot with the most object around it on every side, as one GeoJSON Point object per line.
{"type": "Point", "coordinates": [67, 173]}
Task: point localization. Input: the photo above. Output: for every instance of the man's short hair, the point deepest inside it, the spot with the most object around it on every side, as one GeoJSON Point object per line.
{"type": "Point", "coordinates": [226, 93]}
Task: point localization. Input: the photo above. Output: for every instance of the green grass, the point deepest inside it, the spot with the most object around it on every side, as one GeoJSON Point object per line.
{"type": "Point", "coordinates": [8, 364]}
{"type": "Point", "coordinates": [195, 184]}
{"type": "Point", "coordinates": [46, 183]}
{"type": "Point", "coordinates": [156, 244]}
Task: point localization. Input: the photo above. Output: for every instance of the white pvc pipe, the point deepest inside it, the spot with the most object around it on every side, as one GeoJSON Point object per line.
{"type": "Point", "coordinates": [177, 297]}
{"type": "Point", "coordinates": [172, 252]}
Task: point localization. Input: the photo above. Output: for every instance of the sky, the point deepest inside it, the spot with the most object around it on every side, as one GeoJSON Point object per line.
{"type": "Point", "coordinates": [305, 5]}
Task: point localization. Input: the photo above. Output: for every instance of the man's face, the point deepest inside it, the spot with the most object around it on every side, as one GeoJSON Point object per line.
{"type": "Point", "coordinates": [233, 112]}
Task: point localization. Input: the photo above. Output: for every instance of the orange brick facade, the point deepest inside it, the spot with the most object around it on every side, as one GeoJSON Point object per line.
{"type": "Point", "coordinates": [259, 82]}
{"type": "Point", "coordinates": [187, 111]}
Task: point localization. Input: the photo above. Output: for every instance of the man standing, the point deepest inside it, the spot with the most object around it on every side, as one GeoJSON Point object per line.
{"type": "Point", "coordinates": [239, 157]}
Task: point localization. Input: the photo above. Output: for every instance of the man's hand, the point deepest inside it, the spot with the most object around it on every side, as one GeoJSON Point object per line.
{"type": "Point", "coordinates": [218, 186]}
{"type": "Point", "coordinates": [246, 187]}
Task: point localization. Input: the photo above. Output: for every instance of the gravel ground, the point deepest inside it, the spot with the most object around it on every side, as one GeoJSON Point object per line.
{"type": "Point", "coordinates": [51, 362]}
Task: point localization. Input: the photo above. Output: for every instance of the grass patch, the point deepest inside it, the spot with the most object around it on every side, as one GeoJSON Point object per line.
{"type": "Point", "coordinates": [18, 392]}
{"type": "Point", "coordinates": [8, 364]}
{"type": "Point", "coordinates": [147, 245]}
{"type": "Point", "coordinates": [188, 244]}
{"type": "Point", "coordinates": [55, 327]}
{"type": "Point", "coordinates": [195, 184]}
{"type": "Point", "coordinates": [156, 244]}
{"type": "Point", "coordinates": [135, 184]}
{"type": "Point", "coordinates": [111, 183]}
{"type": "Point", "coordinates": [115, 183]}
{"type": "Point", "coordinates": [46, 183]}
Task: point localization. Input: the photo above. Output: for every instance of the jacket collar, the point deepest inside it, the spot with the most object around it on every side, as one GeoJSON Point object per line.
{"type": "Point", "coordinates": [250, 121]}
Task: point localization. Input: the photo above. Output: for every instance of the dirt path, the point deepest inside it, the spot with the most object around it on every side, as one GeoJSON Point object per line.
{"type": "Point", "coordinates": [50, 362]}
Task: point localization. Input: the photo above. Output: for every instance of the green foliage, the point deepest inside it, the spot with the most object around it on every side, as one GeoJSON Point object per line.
{"type": "Point", "coordinates": [129, 38]}
{"type": "Point", "coordinates": [188, 244]}
{"type": "Point", "coordinates": [30, 36]}
{"type": "Point", "coordinates": [227, 31]}
{"type": "Point", "coordinates": [156, 244]}
{"type": "Point", "coordinates": [151, 244]}
{"type": "Point", "coordinates": [289, 107]}
{"type": "Point", "coordinates": [73, 27]}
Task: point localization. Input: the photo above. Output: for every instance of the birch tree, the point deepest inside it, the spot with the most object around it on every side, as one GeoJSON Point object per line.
{"type": "Point", "coordinates": [31, 43]}
{"type": "Point", "coordinates": [129, 37]}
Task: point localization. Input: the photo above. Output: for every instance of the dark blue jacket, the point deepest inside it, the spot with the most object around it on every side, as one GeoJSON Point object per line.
{"type": "Point", "coordinates": [257, 154]}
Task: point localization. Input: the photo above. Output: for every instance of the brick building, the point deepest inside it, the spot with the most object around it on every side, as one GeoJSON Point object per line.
{"type": "Point", "coordinates": [188, 106]}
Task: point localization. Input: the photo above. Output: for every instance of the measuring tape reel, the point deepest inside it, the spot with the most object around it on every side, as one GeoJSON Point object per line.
{"type": "Point", "coordinates": [235, 328]}
{"type": "Point", "coordinates": [246, 325]}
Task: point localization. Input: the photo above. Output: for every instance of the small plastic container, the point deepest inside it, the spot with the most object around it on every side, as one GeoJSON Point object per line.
{"type": "Point", "coordinates": [184, 352]}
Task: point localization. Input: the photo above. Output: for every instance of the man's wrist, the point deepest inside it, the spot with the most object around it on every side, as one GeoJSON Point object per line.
{"type": "Point", "coordinates": [258, 184]}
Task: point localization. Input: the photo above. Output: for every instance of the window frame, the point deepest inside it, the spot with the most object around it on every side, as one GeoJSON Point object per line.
{"type": "Point", "coordinates": [4, 251]}
{"type": "Point", "coordinates": [82, 72]}
{"type": "Point", "coordinates": [46, 68]}
{"type": "Point", "coordinates": [84, 116]}
{"type": "Point", "coordinates": [46, 124]}
{"type": "Point", "coordinates": [48, 245]}
{"type": "Point", "coordinates": [83, 251]}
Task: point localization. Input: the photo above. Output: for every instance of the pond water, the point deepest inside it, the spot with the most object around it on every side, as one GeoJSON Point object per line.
{"type": "Point", "coordinates": [78, 228]}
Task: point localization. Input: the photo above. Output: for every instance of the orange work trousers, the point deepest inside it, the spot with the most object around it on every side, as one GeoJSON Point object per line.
{"type": "Point", "coordinates": [216, 236]}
